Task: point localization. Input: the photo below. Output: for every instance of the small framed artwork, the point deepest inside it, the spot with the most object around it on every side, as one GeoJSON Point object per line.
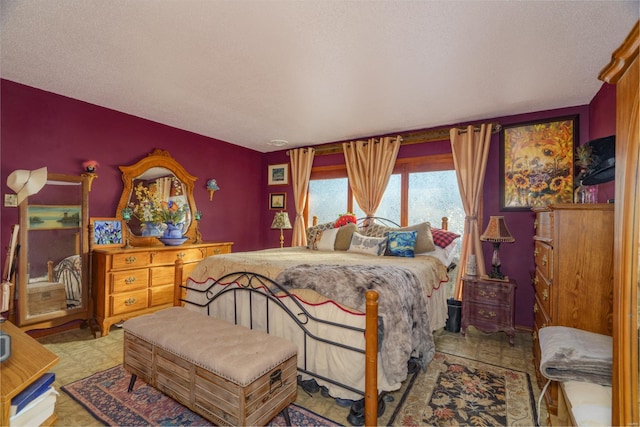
{"type": "Point", "coordinates": [279, 174]}
{"type": "Point", "coordinates": [537, 163]}
{"type": "Point", "coordinates": [277, 201]}
{"type": "Point", "coordinates": [106, 232]}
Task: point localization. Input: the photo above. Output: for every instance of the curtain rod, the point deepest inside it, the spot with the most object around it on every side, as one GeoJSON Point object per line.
{"type": "Point", "coordinates": [406, 138]}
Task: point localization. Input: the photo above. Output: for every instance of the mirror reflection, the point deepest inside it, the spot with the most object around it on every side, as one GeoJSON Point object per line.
{"type": "Point", "coordinates": [52, 250]}
{"type": "Point", "coordinates": [157, 196]}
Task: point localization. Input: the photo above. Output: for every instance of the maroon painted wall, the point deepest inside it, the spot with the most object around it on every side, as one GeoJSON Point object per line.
{"type": "Point", "coordinates": [517, 257]}
{"type": "Point", "coordinates": [44, 129]}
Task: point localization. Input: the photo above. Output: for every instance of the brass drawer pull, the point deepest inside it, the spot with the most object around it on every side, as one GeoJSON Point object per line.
{"type": "Point", "coordinates": [487, 313]}
{"type": "Point", "coordinates": [544, 260]}
{"type": "Point", "coordinates": [130, 301]}
{"type": "Point", "coordinates": [535, 253]}
{"type": "Point", "coordinates": [217, 251]}
{"type": "Point", "coordinates": [535, 280]}
{"type": "Point", "coordinates": [181, 255]}
{"type": "Point", "coordinates": [484, 293]}
{"type": "Point", "coordinates": [130, 259]}
{"type": "Point", "coordinates": [545, 294]}
{"type": "Point", "coordinates": [535, 308]}
{"type": "Point", "coordinates": [129, 280]}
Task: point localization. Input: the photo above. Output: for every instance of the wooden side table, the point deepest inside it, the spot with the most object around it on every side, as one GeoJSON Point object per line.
{"type": "Point", "coordinates": [488, 305]}
{"type": "Point", "coordinates": [29, 361]}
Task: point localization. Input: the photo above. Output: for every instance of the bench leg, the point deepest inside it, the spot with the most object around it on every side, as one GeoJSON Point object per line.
{"type": "Point", "coordinates": [285, 414]}
{"type": "Point", "coordinates": [132, 382]}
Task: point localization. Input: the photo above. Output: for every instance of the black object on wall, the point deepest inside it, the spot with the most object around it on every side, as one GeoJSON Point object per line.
{"type": "Point", "coordinates": [604, 170]}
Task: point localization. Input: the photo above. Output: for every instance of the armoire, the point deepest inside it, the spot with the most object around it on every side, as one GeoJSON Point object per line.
{"type": "Point", "coordinates": [622, 71]}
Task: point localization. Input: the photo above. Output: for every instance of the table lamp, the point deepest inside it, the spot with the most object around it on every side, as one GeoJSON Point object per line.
{"type": "Point", "coordinates": [496, 233]}
{"type": "Point", "coordinates": [281, 221]}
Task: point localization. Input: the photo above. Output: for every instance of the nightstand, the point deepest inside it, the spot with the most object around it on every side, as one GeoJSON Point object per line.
{"type": "Point", "coordinates": [488, 305]}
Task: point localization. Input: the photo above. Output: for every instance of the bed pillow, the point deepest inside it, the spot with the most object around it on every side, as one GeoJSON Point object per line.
{"type": "Point", "coordinates": [443, 238]}
{"type": "Point", "coordinates": [424, 240]}
{"type": "Point", "coordinates": [313, 231]}
{"type": "Point", "coordinates": [446, 255]}
{"type": "Point", "coordinates": [367, 245]}
{"type": "Point", "coordinates": [401, 243]}
{"type": "Point", "coordinates": [343, 239]}
{"type": "Point", "coordinates": [325, 239]}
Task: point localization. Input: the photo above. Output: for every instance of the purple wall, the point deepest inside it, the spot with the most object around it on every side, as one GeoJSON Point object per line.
{"type": "Point", "coordinates": [43, 129]}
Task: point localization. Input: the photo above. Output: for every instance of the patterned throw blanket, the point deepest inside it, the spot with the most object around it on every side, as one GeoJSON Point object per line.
{"type": "Point", "coordinates": [401, 305]}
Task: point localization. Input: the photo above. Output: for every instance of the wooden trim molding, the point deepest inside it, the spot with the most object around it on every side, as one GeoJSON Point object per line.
{"type": "Point", "coordinates": [622, 57]}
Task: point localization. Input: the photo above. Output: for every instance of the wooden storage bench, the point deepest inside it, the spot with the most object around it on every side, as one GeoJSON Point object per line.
{"type": "Point", "coordinates": [228, 374]}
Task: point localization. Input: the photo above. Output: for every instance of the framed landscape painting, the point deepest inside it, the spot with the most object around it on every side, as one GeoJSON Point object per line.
{"type": "Point", "coordinates": [537, 163]}
{"type": "Point", "coordinates": [278, 174]}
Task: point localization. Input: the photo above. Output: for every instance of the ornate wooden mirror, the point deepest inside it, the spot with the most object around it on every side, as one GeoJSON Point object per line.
{"type": "Point", "coordinates": [161, 176]}
{"type": "Point", "coordinates": [53, 259]}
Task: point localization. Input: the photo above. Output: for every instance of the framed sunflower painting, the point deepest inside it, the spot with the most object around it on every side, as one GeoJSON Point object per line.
{"type": "Point", "coordinates": [536, 163]}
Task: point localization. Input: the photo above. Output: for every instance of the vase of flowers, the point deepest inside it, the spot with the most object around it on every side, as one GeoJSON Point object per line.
{"type": "Point", "coordinates": [173, 231]}
{"type": "Point", "coordinates": [151, 229]}
{"type": "Point", "coordinates": [157, 216]}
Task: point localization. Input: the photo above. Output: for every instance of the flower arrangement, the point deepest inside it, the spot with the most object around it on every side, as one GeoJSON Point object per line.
{"type": "Point", "coordinates": [151, 208]}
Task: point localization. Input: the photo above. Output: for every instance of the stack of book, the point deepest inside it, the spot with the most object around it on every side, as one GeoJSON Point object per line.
{"type": "Point", "coordinates": [33, 405]}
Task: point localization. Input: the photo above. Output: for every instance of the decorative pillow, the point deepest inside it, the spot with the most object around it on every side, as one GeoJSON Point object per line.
{"type": "Point", "coordinates": [343, 239]}
{"type": "Point", "coordinates": [424, 241]}
{"type": "Point", "coordinates": [312, 231]}
{"type": "Point", "coordinates": [446, 255]}
{"type": "Point", "coordinates": [401, 243]}
{"type": "Point", "coordinates": [367, 245]}
{"type": "Point", "coordinates": [325, 239]}
{"type": "Point", "coordinates": [443, 238]}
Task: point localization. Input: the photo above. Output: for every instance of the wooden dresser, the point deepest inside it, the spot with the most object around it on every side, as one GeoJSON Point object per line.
{"type": "Point", "coordinates": [131, 282]}
{"type": "Point", "coordinates": [573, 250]}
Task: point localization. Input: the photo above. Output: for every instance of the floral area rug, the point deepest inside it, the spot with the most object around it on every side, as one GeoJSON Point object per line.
{"type": "Point", "coordinates": [458, 391]}
{"type": "Point", "coordinates": [104, 394]}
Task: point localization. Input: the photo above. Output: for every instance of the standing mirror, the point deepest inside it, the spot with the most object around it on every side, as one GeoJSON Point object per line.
{"type": "Point", "coordinates": [157, 175]}
{"type": "Point", "coordinates": [52, 267]}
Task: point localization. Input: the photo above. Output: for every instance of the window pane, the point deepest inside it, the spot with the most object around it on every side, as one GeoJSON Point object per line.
{"type": "Point", "coordinates": [433, 195]}
{"type": "Point", "coordinates": [327, 199]}
{"type": "Point", "coordinates": [389, 205]}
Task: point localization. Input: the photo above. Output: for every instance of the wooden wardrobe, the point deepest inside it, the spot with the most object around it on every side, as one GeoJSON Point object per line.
{"type": "Point", "coordinates": [623, 72]}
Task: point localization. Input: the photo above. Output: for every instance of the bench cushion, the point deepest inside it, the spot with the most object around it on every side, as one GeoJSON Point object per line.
{"type": "Point", "coordinates": [233, 352]}
{"type": "Point", "coordinates": [590, 403]}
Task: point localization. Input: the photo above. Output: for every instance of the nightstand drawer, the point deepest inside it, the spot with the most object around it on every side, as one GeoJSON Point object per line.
{"type": "Point", "coordinates": [489, 292]}
{"type": "Point", "coordinates": [543, 257]}
{"type": "Point", "coordinates": [490, 314]}
{"type": "Point", "coordinates": [124, 281]}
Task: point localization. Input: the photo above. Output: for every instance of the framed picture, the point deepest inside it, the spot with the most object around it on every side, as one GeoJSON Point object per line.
{"type": "Point", "coordinates": [279, 174]}
{"type": "Point", "coordinates": [50, 217]}
{"type": "Point", "coordinates": [106, 232]}
{"type": "Point", "coordinates": [277, 201]}
{"type": "Point", "coordinates": [536, 163]}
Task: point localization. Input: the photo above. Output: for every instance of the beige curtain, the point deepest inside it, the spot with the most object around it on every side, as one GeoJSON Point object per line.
{"type": "Point", "coordinates": [369, 166]}
{"type": "Point", "coordinates": [470, 150]}
{"type": "Point", "coordinates": [301, 162]}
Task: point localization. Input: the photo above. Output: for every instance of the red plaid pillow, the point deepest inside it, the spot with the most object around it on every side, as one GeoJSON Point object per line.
{"type": "Point", "coordinates": [443, 238]}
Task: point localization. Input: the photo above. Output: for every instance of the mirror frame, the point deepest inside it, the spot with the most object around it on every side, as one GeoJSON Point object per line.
{"type": "Point", "coordinates": [58, 317]}
{"type": "Point", "coordinates": [157, 159]}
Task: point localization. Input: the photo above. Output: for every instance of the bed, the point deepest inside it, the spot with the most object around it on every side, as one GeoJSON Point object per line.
{"type": "Point", "coordinates": [67, 272]}
{"type": "Point", "coordinates": [315, 296]}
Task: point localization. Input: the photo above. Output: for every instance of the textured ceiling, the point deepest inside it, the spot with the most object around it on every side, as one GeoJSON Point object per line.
{"type": "Point", "coordinates": [311, 72]}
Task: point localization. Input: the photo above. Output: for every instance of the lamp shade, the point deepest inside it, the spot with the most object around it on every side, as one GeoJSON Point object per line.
{"type": "Point", "coordinates": [497, 231]}
{"type": "Point", "coordinates": [281, 221]}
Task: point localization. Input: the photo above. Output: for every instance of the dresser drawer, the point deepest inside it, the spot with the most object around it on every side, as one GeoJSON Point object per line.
{"type": "Point", "coordinates": [129, 260]}
{"type": "Point", "coordinates": [489, 293]}
{"type": "Point", "coordinates": [541, 317]}
{"type": "Point", "coordinates": [186, 255]}
{"type": "Point", "coordinates": [218, 250]}
{"type": "Point", "coordinates": [160, 295]}
{"type": "Point", "coordinates": [162, 275]}
{"type": "Point", "coordinates": [187, 270]}
{"type": "Point", "coordinates": [128, 280]}
{"type": "Point", "coordinates": [544, 225]}
{"type": "Point", "coordinates": [128, 302]}
{"type": "Point", "coordinates": [543, 255]}
{"type": "Point", "coordinates": [543, 292]}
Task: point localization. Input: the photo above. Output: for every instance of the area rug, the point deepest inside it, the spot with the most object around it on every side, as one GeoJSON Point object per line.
{"type": "Point", "coordinates": [104, 394]}
{"type": "Point", "coordinates": [460, 391]}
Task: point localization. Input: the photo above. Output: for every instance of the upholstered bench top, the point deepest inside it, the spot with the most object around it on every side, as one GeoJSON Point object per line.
{"type": "Point", "coordinates": [233, 352]}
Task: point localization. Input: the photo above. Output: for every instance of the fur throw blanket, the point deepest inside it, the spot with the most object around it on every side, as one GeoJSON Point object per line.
{"type": "Point", "coordinates": [401, 305]}
{"type": "Point", "coordinates": [569, 354]}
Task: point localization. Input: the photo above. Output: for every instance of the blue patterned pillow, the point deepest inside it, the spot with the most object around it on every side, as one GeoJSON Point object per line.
{"type": "Point", "coordinates": [401, 243]}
